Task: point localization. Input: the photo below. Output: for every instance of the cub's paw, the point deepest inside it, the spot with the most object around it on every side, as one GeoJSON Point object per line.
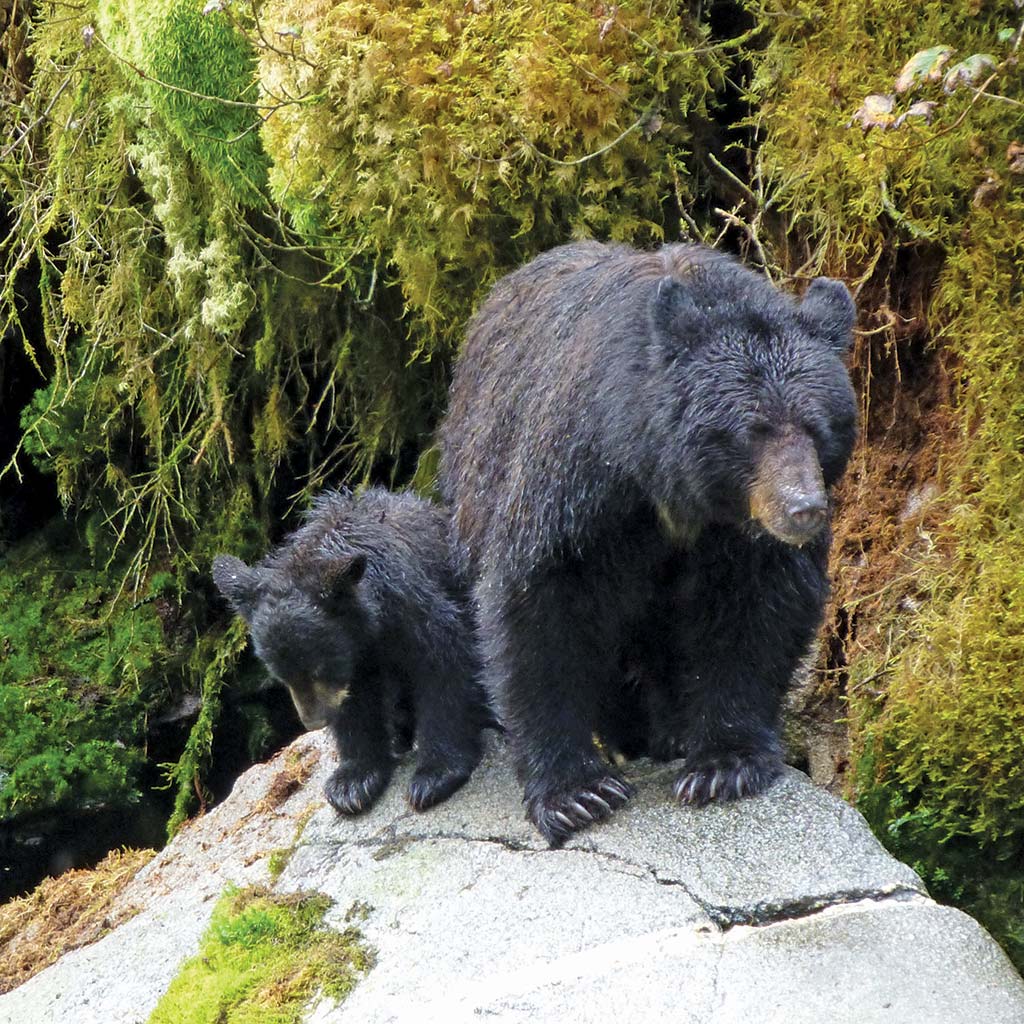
{"type": "Point", "coordinates": [558, 813]}
{"type": "Point", "coordinates": [354, 788]}
{"type": "Point", "coordinates": [727, 777]}
{"type": "Point", "coordinates": [429, 785]}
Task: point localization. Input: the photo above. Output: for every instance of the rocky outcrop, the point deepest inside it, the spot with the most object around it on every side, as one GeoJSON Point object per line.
{"type": "Point", "coordinates": [779, 908]}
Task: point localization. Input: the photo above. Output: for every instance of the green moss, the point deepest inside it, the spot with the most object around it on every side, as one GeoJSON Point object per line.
{"type": "Point", "coordinates": [79, 657]}
{"type": "Point", "coordinates": [199, 70]}
{"type": "Point", "coordinates": [278, 861]}
{"type": "Point", "coordinates": [261, 961]}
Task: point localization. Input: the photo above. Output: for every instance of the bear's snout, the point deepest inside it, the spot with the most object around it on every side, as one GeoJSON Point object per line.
{"type": "Point", "coordinates": [788, 496]}
{"type": "Point", "coordinates": [808, 512]}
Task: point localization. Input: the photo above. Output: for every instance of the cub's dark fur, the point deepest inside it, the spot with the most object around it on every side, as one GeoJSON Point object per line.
{"type": "Point", "coordinates": [638, 454]}
{"type": "Point", "coordinates": [360, 614]}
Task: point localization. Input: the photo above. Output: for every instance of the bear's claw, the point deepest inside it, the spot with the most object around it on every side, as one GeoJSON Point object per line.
{"type": "Point", "coordinates": [558, 815]}
{"type": "Point", "coordinates": [726, 778]}
{"type": "Point", "coordinates": [353, 789]}
{"type": "Point", "coordinates": [430, 786]}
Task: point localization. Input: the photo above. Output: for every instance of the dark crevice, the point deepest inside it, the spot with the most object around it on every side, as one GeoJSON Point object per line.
{"type": "Point", "coordinates": [765, 914]}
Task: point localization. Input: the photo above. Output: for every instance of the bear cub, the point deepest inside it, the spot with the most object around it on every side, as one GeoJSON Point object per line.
{"type": "Point", "coordinates": [361, 615]}
{"type": "Point", "coordinates": [638, 455]}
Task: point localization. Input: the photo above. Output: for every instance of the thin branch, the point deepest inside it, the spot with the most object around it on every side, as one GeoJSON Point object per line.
{"type": "Point", "coordinates": [590, 156]}
{"type": "Point", "coordinates": [731, 217]}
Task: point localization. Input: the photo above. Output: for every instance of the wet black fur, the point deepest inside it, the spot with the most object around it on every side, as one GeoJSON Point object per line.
{"type": "Point", "coordinates": [606, 421]}
{"type": "Point", "coordinates": [364, 598]}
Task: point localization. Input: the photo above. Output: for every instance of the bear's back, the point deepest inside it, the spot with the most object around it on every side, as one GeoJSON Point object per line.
{"type": "Point", "coordinates": [547, 362]}
{"type": "Point", "coordinates": [403, 537]}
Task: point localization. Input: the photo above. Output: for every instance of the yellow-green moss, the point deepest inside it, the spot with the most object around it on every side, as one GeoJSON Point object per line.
{"type": "Point", "coordinates": [953, 729]}
{"type": "Point", "coordinates": [858, 196]}
{"type": "Point", "coordinates": [445, 143]}
{"type": "Point", "coordinates": [261, 961]}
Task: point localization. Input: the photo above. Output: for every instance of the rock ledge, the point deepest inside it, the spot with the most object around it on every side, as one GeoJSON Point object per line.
{"type": "Point", "coordinates": [782, 908]}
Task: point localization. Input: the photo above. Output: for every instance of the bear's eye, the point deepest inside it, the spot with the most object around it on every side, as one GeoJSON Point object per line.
{"type": "Point", "coordinates": [760, 431]}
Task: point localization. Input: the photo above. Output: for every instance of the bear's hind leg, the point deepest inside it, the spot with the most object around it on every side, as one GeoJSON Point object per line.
{"type": "Point", "coordinates": [550, 652]}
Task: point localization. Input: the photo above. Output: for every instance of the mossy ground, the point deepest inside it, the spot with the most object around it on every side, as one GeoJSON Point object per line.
{"type": "Point", "coordinates": [62, 914]}
{"type": "Point", "coordinates": [261, 961]}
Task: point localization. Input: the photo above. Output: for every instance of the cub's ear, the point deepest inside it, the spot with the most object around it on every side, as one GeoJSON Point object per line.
{"type": "Point", "coordinates": [341, 572]}
{"type": "Point", "coordinates": [676, 320]}
{"type": "Point", "coordinates": [829, 312]}
{"type": "Point", "coordinates": [238, 583]}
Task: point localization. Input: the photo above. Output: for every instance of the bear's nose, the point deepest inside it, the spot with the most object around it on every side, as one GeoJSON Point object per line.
{"type": "Point", "coordinates": [808, 512]}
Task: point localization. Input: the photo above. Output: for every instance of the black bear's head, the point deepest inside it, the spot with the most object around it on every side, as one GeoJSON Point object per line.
{"type": "Point", "coordinates": [763, 416]}
{"type": "Point", "coordinates": [308, 624]}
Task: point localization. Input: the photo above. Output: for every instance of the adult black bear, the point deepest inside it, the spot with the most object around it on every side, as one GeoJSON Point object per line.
{"type": "Point", "coordinates": [360, 614]}
{"type": "Point", "coordinates": [637, 454]}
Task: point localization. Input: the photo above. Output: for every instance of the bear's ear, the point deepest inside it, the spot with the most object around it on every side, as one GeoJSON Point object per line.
{"type": "Point", "coordinates": [238, 583]}
{"type": "Point", "coordinates": [341, 572]}
{"type": "Point", "coordinates": [676, 320]}
{"type": "Point", "coordinates": [829, 312]}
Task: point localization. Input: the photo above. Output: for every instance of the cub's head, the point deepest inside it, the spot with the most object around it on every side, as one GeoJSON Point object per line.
{"type": "Point", "coordinates": [308, 624]}
{"type": "Point", "coordinates": [763, 416]}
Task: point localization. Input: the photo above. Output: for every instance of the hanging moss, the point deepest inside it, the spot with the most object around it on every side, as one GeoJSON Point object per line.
{"type": "Point", "coordinates": [443, 144]}
{"type": "Point", "coordinates": [199, 76]}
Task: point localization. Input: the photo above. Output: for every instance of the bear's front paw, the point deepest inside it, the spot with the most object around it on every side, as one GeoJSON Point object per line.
{"type": "Point", "coordinates": [354, 788]}
{"type": "Point", "coordinates": [559, 813]}
{"type": "Point", "coordinates": [728, 777]}
{"type": "Point", "coordinates": [430, 785]}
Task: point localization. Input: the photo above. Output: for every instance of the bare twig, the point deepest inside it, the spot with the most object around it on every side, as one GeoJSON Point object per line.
{"type": "Point", "coordinates": [590, 156]}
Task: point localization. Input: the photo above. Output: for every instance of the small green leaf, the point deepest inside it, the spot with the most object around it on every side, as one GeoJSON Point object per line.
{"type": "Point", "coordinates": [924, 66]}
